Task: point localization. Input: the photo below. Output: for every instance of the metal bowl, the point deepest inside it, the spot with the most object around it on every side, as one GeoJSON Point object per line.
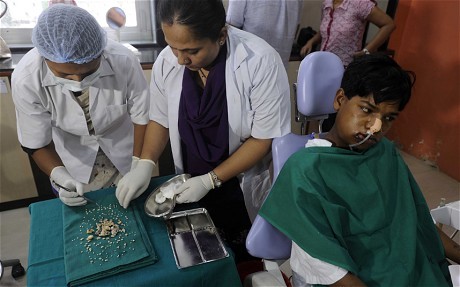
{"type": "Point", "coordinates": [154, 209]}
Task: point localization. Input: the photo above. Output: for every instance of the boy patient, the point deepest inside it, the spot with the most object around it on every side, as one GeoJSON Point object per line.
{"type": "Point", "coordinates": [349, 203]}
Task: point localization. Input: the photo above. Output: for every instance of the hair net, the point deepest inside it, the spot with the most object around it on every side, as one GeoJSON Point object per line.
{"type": "Point", "coordinates": [68, 34]}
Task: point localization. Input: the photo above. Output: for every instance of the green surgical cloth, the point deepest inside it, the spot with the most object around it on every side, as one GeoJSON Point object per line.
{"type": "Point", "coordinates": [363, 212]}
{"type": "Point", "coordinates": [88, 260]}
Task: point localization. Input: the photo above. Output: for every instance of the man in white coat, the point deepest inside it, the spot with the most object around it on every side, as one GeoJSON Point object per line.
{"type": "Point", "coordinates": [275, 21]}
{"type": "Point", "coordinates": [81, 103]}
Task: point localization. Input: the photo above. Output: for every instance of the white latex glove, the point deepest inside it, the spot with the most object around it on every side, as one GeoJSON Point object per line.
{"type": "Point", "coordinates": [135, 182]}
{"type": "Point", "coordinates": [70, 191]}
{"type": "Point", "coordinates": [194, 189]}
{"type": "Point", "coordinates": [134, 162]}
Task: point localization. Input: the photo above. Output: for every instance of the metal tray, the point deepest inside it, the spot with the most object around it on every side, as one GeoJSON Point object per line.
{"type": "Point", "coordinates": [194, 238]}
{"type": "Point", "coordinates": [154, 209]}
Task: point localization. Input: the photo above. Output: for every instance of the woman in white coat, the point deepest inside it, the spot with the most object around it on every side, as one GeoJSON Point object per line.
{"type": "Point", "coordinates": [221, 95]}
{"type": "Point", "coordinates": [81, 103]}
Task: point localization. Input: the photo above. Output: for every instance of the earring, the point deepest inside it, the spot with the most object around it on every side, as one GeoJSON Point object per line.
{"type": "Point", "coordinates": [221, 43]}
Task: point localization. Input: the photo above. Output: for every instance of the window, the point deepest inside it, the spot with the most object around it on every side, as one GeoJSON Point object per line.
{"type": "Point", "coordinates": [18, 22]}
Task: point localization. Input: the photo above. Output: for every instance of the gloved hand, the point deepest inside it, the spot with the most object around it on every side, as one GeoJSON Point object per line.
{"type": "Point", "coordinates": [134, 162]}
{"type": "Point", "coordinates": [194, 189]}
{"type": "Point", "coordinates": [135, 182]}
{"type": "Point", "coordinates": [69, 190]}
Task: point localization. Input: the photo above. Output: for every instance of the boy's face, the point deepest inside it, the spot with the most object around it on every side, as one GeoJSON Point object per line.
{"type": "Point", "coordinates": [356, 116]}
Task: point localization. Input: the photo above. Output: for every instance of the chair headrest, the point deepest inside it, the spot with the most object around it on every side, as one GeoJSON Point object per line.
{"type": "Point", "coordinates": [319, 78]}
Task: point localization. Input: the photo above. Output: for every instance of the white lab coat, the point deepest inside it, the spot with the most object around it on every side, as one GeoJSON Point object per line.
{"type": "Point", "coordinates": [45, 111]}
{"type": "Point", "coordinates": [258, 103]}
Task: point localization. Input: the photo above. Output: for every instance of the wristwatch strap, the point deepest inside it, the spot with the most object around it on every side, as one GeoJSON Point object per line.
{"type": "Point", "coordinates": [215, 180]}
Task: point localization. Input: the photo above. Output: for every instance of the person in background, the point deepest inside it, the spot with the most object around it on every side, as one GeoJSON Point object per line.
{"type": "Point", "coordinates": [348, 201]}
{"type": "Point", "coordinates": [274, 21]}
{"type": "Point", "coordinates": [81, 103]}
{"type": "Point", "coordinates": [220, 95]}
{"type": "Point", "coordinates": [342, 27]}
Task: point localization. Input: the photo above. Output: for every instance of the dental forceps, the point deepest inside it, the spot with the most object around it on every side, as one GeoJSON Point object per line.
{"type": "Point", "coordinates": [68, 189]}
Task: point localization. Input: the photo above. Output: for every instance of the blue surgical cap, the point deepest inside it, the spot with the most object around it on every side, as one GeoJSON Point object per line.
{"type": "Point", "coordinates": [68, 34]}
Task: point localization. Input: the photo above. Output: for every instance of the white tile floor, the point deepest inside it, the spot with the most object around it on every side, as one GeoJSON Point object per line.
{"type": "Point", "coordinates": [14, 224]}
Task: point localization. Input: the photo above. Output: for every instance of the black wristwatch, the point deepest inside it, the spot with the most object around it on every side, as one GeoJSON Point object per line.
{"type": "Point", "coordinates": [216, 181]}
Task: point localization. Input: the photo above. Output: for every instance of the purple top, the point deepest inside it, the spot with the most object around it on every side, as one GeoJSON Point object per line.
{"type": "Point", "coordinates": [203, 119]}
{"type": "Point", "coordinates": [342, 28]}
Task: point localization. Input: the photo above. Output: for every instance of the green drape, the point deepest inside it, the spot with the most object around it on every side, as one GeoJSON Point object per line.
{"type": "Point", "coordinates": [89, 260]}
{"type": "Point", "coordinates": [363, 212]}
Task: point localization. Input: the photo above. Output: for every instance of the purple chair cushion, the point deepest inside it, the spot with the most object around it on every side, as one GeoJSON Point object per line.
{"type": "Point", "coordinates": [264, 240]}
{"type": "Point", "coordinates": [319, 78]}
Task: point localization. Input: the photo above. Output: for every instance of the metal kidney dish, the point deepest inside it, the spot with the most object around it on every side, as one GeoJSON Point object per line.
{"type": "Point", "coordinates": [155, 209]}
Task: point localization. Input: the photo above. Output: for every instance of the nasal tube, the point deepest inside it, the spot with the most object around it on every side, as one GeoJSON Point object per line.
{"type": "Point", "coordinates": [375, 128]}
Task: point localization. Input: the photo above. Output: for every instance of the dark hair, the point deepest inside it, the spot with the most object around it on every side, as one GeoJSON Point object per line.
{"type": "Point", "coordinates": [205, 18]}
{"type": "Point", "coordinates": [379, 75]}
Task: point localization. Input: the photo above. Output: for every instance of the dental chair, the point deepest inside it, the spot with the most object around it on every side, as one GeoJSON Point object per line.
{"type": "Point", "coordinates": [319, 77]}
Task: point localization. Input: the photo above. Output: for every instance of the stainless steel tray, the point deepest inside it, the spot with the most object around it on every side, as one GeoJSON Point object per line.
{"type": "Point", "coordinates": [154, 209]}
{"type": "Point", "coordinates": [194, 238]}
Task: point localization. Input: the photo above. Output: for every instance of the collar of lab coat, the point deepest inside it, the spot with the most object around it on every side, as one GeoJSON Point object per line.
{"type": "Point", "coordinates": [241, 52]}
{"type": "Point", "coordinates": [235, 46]}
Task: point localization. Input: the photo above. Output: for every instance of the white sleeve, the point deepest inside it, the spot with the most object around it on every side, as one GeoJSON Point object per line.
{"type": "Point", "coordinates": [138, 94]}
{"type": "Point", "coordinates": [33, 119]}
{"type": "Point", "coordinates": [312, 270]}
{"type": "Point", "coordinates": [270, 98]}
{"type": "Point", "coordinates": [158, 99]}
{"type": "Point", "coordinates": [235, 13]}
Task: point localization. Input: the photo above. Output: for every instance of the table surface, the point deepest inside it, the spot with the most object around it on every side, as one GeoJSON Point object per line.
{"type": "Point", "coordinates": [46, 254]}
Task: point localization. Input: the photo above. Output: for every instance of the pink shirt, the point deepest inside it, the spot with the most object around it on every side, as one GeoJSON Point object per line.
{"type": "Point", "coordinates": [342, 29]}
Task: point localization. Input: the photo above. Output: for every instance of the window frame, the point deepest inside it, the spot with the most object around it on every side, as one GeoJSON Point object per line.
{"type": "Point", "coordinates": [143, 33]}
